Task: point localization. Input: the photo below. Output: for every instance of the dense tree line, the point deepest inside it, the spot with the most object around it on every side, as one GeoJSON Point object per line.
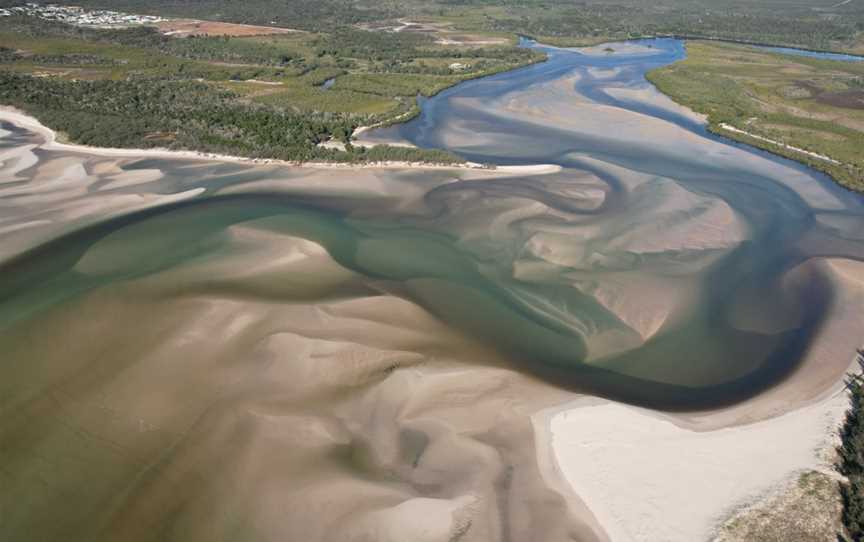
{"type": "Point", "coordinates": [619, 21]}
{"type": "Point", "coordinates": [386, 52]}
{"type": "Point", "coordinates": [789, 22]}
{"type": "Point", "coordinates": [349, 42]}
{"type": "Point", "coordinates": [8, 55]}
{"type": "Point", "coordinates": [215, 48]}
{"type": "Point", "coordinates": [851, 454]}
{"type": "Point", "coordinates": [187, 115]}
{"type": "Point", "coordinates": [77, 59]}
{"type": "Point", "coordinates": [792, 22]}
{"type": "Point", "coordinates": [397, 52]}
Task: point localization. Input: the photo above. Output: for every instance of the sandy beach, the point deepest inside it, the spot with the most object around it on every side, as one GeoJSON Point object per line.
{"type": "Point", "coordinates": [630, 339]}
{"type": "Point", "coordinates": [13, 115]}
{"type": "Point", "coordinates": [583, 448]}
{"type": "Point", "coordinates": [637, 470]}
{"type": "Point", "coordinates": [270, 374]}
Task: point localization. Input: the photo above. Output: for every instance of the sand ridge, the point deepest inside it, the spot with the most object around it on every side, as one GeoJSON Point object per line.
{"type": "Point", "coordinates": [324, 354]}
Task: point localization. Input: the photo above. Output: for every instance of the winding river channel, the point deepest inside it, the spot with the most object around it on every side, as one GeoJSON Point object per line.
{"type": "Point", "coordinates": [690, 243]}
{"type": "Point", "coordinates": [164, 319]}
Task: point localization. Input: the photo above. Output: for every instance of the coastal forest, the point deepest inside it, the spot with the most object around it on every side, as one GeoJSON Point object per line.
{"type": "Point", "coordinates": [851, 457]}
{"type": "Point", "coordinates": [295, 80]}
{"type": "Point", "coordinates": [268, 96]}
{"type": "Point", "coordinates": [313, 72]}
{"type": "Point", "coordinates": [821, 24]}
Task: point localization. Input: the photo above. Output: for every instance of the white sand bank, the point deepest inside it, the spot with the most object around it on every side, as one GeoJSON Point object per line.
{"type": "Point", "coordinates": [648, 476]}
{"type": "Point", "coordinates": [615, 47]}
{"type": "Point", "coordinates": [536, 169]}
{"type": "Point", "coordinates": [647, 479]}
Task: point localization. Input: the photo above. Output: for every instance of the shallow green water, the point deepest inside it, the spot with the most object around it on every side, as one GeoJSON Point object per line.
{"type": "Point", "coordinates": [559, 272]}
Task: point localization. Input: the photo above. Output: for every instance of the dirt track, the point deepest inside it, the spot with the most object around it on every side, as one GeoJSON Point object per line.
{"type": "Point", "coordinates": [192, 27]}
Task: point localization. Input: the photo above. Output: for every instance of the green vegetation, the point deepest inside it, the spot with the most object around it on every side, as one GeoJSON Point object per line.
{"type": "Point", "coordinates": [824, 24]}
{"type": "Point", "coordinates": [811, 104]}
{"type": "Point", "coordinates": [805, 510]}
{"type": "Point", "coordinates": [306, 98]}
{"type": "Point", "coordinates": [851, 454]}
{"type": "Point", "coordinates": [8, 54]}
{"type": "Point", "coordinates": [379, 71]}
{"type": "Point", "coordinates": [258, 96]}
{"type": "Point", "coordinates": [177, 114]}
{"type": "Point", "coordinates": [395, 84]}
{"type": "Point", "coordinates": [188, 115]}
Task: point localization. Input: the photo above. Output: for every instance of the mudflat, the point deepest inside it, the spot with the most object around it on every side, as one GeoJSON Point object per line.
{"type": "Point", "coordinates": [211, 349]}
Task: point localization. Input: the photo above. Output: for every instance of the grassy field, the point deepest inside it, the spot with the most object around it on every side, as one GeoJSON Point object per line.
{"type": "Point", "coordinates": [813, 105]}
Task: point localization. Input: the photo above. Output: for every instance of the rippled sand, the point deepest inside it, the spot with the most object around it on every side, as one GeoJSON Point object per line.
{"type": "Point", "coordinates": [213, 350]}
{"type": "Point", "coordinates": [189, 385]}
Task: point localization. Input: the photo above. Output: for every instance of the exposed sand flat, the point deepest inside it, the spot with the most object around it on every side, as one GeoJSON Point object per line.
{"type": "Point", "coordinates": [826, 364]}
{"type": "Point", "coordinates": [299, 389]}
{"type": "Point", "coordinates": [648, 476]}
{"type": "Point", "coordinates": [68, 191]}
{"type": "Point", "coordinates": [850, 270]}
{"type": "Point", "coordinates": [537, 169]}
{"type": "Point", "coordinates": [245, 350]}
{"type": "Point", "coordinates": [618, 47]}
{"type": "Point", "coordinates": [663, 218]}
{"type": "Point", "coordinates": [647, 479]}
{"type": "Point", "coordinates": [649, 94]}
{"type": "Point", "coordinates": [604, 73]}
{"type": "Point", "coordinates": [555, 103]}
{"type": "Point", "coordinates": [20, 158]}
{"type": "Point", "coordinates": [287, 412]}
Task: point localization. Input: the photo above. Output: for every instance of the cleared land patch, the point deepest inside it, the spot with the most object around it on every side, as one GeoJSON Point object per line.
{"type": "Point", "coordinates": [443, 32]}
{"type": "Point", "coordinates": [195, 27]}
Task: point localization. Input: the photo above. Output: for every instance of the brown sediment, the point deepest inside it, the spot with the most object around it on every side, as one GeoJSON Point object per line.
{"type": "Point", "coordinates": [228, 350]}
{"type": "Point", "coordinates": [209, 411]}
{"type": "Point", "coordinates": [264, 391]}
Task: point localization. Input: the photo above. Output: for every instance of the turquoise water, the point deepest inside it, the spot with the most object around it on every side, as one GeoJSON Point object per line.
{"type": "Point", "coordinates": [563, 273]}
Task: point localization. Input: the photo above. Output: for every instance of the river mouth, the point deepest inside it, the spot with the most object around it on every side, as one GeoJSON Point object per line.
{"type": "Point", "coordinates": [209, 349]}
{"type": "Point", "coordinates": [732, 227]}
{"type": "Point", "coordinates": [660, 265]}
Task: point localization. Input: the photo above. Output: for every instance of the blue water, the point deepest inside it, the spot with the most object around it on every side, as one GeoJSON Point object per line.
{"type": "Point", "coordinates": [562, 271]}
{"type": "Point", "coordinates": [811, 54]}
{"type": "Point", "coordinates": [186, 371]}
{"type": "Point", "coordinates": [631, 132]}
